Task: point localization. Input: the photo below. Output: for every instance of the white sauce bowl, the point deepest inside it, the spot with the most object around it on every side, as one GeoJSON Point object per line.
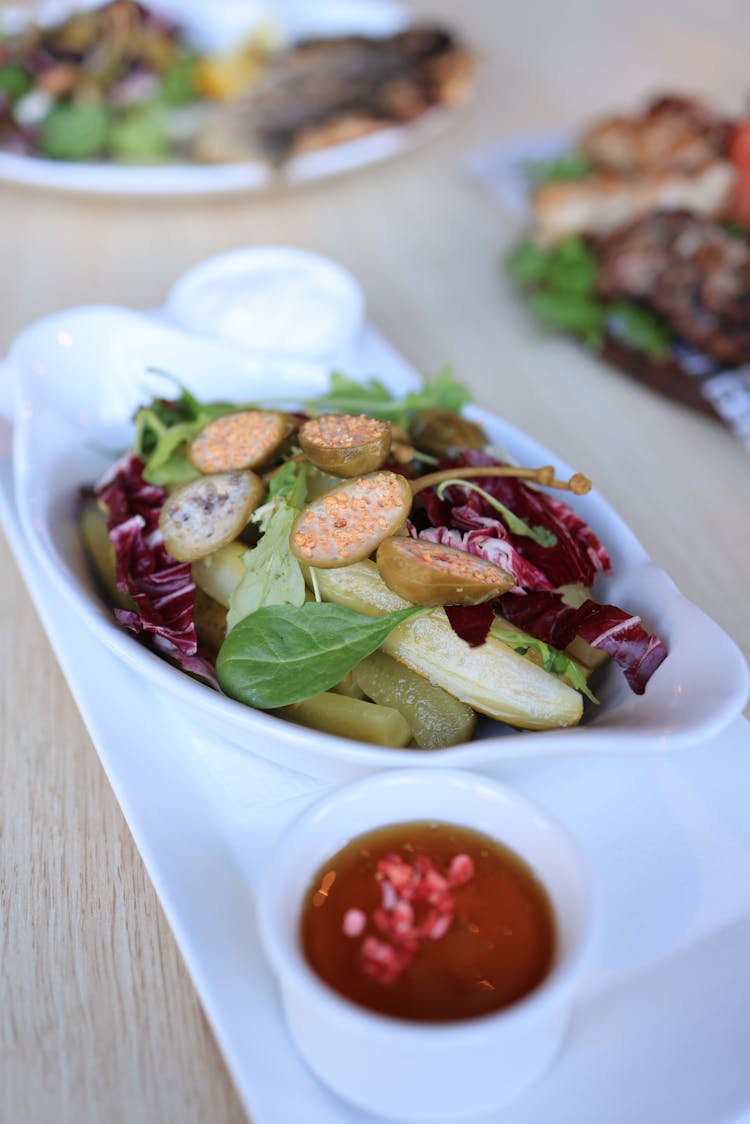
{"type": "Point", "coordinates": [272, 300]}
{"type": "Point", "coordinates": [413, 1071]}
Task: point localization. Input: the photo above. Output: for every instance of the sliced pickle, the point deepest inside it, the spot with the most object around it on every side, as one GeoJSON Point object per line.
{"type": "Point", "coordinates": [245, 439]}
{"type": "Point", "coordinates": [428, 573]}
{"type": "Point", "coordinates": [92, 524]}
{"type": "Point", "coordinates": [350, 521]}
{"type": "Point", "coordinates": [210, 620]}
{"type": "Point", "coordinates": [207, 513]}
{"type": "Point", "coordinates": [442, 432]}
{"type": "Point", "coordinates": [348, 717]}
{"type": "Point", "coordinates": [345, 444]}
{"type": "Point", "coordinates": [219, 573]}
{"type": "Point", "coordinates": [436, 719]}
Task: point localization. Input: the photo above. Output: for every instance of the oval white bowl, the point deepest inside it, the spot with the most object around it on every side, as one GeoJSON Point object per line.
{"type": "Point", "coordinates": [82, 374]}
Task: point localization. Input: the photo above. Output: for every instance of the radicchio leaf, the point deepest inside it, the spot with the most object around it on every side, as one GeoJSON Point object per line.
{"type": "Point", "coordinates": [471, 622]}
{"type": "Point", "coordinates": [162, 588]}
{"type": "Point", "coordinates": [488, 540]}
{"type": "Point", "coordinates": [578, 554]}
{"type": "Point", "coordinates": [621, 635]}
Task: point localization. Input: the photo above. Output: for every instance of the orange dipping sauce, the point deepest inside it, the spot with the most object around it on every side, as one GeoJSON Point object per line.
{"type": "Point", "coordinates": [429, 922]}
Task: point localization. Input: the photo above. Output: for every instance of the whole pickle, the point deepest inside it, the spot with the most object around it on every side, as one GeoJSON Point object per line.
{"type": "Point", "coordinates": [442, 433]}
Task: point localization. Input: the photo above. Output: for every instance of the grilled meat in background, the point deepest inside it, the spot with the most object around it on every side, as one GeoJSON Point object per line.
{"type": "Point", "coordinates": [324, 91]}
{"type": "Point", "coordinates": [643, 252]}
{"type": "Point", "coordinates": [691, 271]}
{"type": "Point", "coordinates": [674, 154]}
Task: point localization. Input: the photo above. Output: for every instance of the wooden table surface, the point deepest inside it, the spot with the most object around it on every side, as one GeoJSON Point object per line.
{"type": "Point", "coordinates": [99, 1021]}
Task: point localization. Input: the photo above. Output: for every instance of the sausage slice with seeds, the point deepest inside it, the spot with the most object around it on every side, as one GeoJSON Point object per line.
{"type": "Point", "coordinates": [209, 512]}
{"type": "Point", "coordinates": [348, 523]}
{"type": "Point", "coordinates": [428, 573]}
{"type": "Point", "coordinates": [345, 444]}
{"type": "Point", "coordinates": [245, 439]}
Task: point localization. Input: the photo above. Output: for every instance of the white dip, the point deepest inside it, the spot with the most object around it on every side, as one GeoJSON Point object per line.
{"type": "Point", "coordinates": [276, 301]}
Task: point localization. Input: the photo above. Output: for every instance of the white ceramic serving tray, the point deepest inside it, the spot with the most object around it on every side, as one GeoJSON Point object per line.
{"type": "Point", "coordinates": [217, 25]}
{"type": "Point", "coordinates": [661, 1027]}
{"type": "Point", "coordinates": [81, 375]}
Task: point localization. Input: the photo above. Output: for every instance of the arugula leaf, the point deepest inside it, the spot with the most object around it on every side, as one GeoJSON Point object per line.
{"type": "Point", "coordinates": [569, 166]}
{"type": "Point", "coordinates": [342, 388]}
{"type": "Point", "coordinates": [553, 660]}
{"type": "Point", "coordinates": [164, 430]}
{"type": "Point", "coordinates": [372, 397]}
{"type": "Point", "coordinates": [284, 653]}
{"type": "Point", "coordinates": [274, 576]}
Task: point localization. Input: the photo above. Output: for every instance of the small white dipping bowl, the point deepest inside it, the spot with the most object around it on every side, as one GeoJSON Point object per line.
{"type": "Point", "coordinates": [271, 300]}
{"type": "Point", "coordinates": [416, 1071]}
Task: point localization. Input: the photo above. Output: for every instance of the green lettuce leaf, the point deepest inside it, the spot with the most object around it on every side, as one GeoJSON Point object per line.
{"type": "Point", "coordinates": [560, 284]}
{"type": "Point", "coordinates": [75, 131]}
{"type": "Point", "coordinates": [274, 576]}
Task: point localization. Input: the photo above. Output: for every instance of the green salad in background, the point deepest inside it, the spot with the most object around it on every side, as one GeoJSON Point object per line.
{"type": "Point", "coordinates": [117, 82]}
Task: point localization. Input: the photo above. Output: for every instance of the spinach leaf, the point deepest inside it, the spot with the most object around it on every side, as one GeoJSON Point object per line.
{"type": "Point", "coordinates": [284, 653]}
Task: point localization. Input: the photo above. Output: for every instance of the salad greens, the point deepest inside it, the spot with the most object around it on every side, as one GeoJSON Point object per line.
{"type": "Point", "coordinates": [560, 283]}
{"type": "Point", "coordinates": [347, 396]}
{"type": "Point", "coordinates": [102, 84]}
{"type": "Point", "coordinates": [256, 633]}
